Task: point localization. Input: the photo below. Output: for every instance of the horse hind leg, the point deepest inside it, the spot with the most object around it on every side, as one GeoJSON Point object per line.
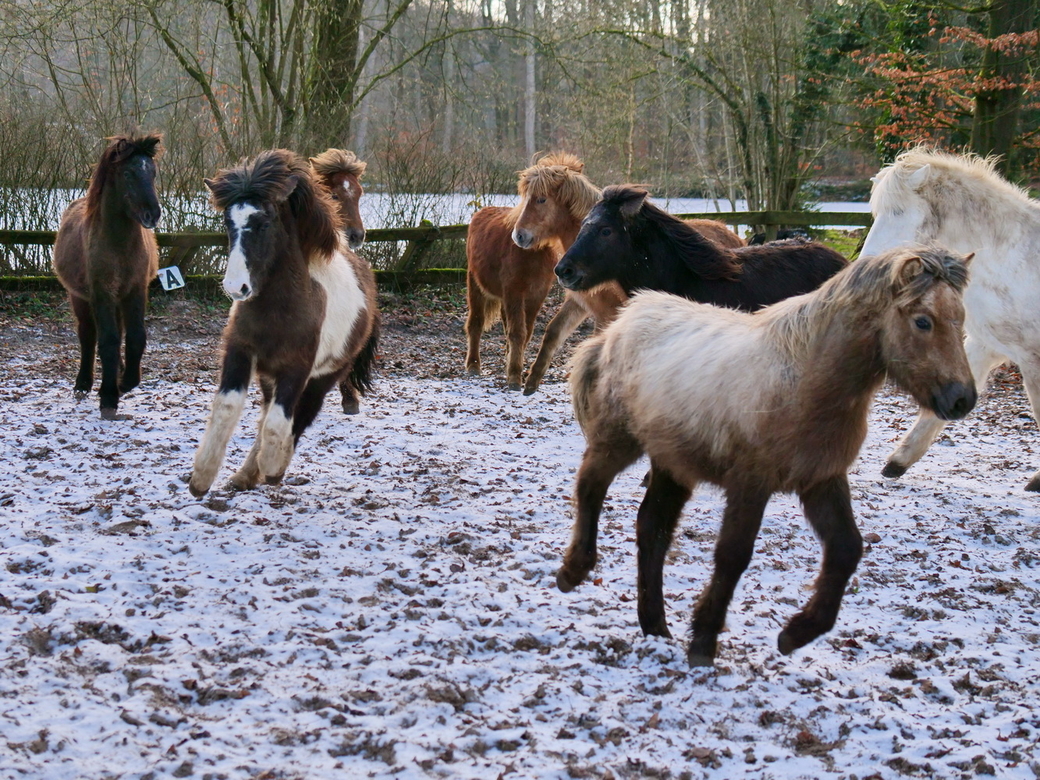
{"type": "Point", "coordinates": [567, 319]}
{"type": "Point", "coordinates": [350, 401]}
{"type": "Point", "coordinates": [828, 508]}
{"type": "Point", "coordinates": [655, 527]}
{"type": "Point", "coordinates": [1031, 380]}
{"type": "Point", "coordinates": [733, 550]}
{"type": "Point", "coordinates": [919, 438]}
{"type": "Point", "coordinates": [482, 311]}
{"type": "Point", "coordinates": [86, 331]}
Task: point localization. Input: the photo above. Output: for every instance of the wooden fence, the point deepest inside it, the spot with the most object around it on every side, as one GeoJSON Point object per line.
{"type": "Point", "coordinates": [420, 239]}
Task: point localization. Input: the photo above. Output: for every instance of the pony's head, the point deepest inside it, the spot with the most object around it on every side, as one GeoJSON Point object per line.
{"type": "Point", "coordinates": [127, 167]}
{"type": "Point", "coordinates": [340, 171]}
{"type": "Point", "coordinates": [274, 213]}
{"type": "Point", "coordinates": [922, 322]}
{"type": "Point", "coordinates": [928, 196]}
{"type": "Point", "coordinates": [615, 237]}
{"type": "Point", "coordinates": [555, 196]}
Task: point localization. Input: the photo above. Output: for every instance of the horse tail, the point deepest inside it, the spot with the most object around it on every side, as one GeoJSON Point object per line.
{"type": "Point", "coordinates": [585, 373]}
{"type": "Point", "coordinates": [360, 375]}
{"type": "Point", "coordinates": [492, 311]}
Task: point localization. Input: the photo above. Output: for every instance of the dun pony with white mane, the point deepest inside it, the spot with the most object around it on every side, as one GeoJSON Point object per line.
{"type": "Point", "coordinates": [669, 378]}
{"type": "Point", "coordinates": [962, 203]}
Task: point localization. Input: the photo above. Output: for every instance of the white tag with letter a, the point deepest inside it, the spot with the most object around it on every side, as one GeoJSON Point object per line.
{"type": "Point", "coordinates": [170, 278]}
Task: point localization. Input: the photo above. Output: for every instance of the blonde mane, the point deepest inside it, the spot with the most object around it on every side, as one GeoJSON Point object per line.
{"type": "Point", "coordinates": [335, 161]}
{"type": "Point", "coordinates": [975, 177]}
{"type": "Point", "coordinates": [559, 175]}
{"type": "Point", "coordinates": [869, 285]}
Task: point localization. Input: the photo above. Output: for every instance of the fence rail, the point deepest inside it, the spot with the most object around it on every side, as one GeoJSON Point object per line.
{"type": "Point", "coordinates": [420, 239]}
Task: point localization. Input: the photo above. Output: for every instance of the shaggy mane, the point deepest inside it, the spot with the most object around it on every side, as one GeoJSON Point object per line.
{"type": "Point", "coordinates": [333, 162]}
{"type": "Point", "coordinates": [120, 149]}
{"type": "Point", "coordinates": [977, 175]}
{"type": "Point", "coordinates": [283, 178]}
{"type": "Point", "coordinates": [710, 260]}
{"type": "Point", "coordinates": [559, 175]}
{"type": "Point", "coordinates": [882, 277]}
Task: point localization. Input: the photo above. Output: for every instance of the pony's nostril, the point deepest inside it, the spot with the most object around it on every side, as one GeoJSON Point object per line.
{"type": "Point", "coordinates": [244, 291]}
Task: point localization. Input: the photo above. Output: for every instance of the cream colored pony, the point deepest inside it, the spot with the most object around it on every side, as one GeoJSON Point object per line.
{"type": "Point", "coordinates": [962, 203]}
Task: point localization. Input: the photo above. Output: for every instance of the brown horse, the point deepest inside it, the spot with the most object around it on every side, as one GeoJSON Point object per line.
{"type": "Point", "coordinates": [510, 275]}
{"type": "Point", "coordinates": [301, 319]}
{"type": "Point", "coordinates": [547, 215]}
{"type": "Point", "coordinates": [105, 255]}
{"type": "Point", "coordinates": [340, 171]}
{"type": "Point", "coordinates": [758, 403]}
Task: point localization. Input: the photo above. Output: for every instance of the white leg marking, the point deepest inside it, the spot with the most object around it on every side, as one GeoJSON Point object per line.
{"type": "Point", "coordinates": [276, 443]}
{"type": "Point", "coordinates": [227, 408]}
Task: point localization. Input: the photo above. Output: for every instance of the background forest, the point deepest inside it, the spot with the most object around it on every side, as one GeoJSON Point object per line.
{"type": "Point", "coordinates": [752, 99]}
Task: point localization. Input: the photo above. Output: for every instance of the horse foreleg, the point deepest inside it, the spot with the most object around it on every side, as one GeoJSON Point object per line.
{"type": "Point", "coordinates": [828, 509]}
{"type": "Point", "coordinates": [599, 465]}
{"type": "Point", "coordinates": [133, 320]}
{"type": "Point", "coordinates": [655, 526]}
{"type": "Point", "coordinates": [567, 319]}
{"type": "Point", "coordinates": [247, 477]}
{"type": "Point", "coordinates": [1031, 380]}
{"type": "Point", "coordinates": [476, 305]}
{"type": "Point", "coordinates": [86, 330]}
{"type": "Point", "coordinates": [235, 374]}
{"type": "Point", "coordinates": [919, 438]}
{"type": "Point", "coordinates": [736, 543]}
{"type": "Point", "coordinates": [106, 317]}
{"type": "Point", "coordinates": [276, 435]}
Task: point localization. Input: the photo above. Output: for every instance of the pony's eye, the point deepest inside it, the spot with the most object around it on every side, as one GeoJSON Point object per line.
{"type": "Point", "coordinates": [923, 323]}
{"type": "Point", "coordinates": [605, 231]}
{"type": "Point", "coordinates": [541, 201]}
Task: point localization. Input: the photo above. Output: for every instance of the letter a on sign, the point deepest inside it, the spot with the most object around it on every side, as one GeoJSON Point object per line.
{"type": "Point", "coordinates": [170, 278]}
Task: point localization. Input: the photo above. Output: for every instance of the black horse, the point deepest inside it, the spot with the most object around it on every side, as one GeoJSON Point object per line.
{"type": "Point", "coordinates": [628, 240]}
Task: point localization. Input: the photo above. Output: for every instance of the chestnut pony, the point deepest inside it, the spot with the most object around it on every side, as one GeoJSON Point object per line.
{"type": "Point", "coordinates": [759, 403]}
{"type": "Point", "coordinates": [105, 255]}
{"type": "Point", "coordinates": [300, 320]}
{"type": "Point", "coordinates": [340, 172]}
{"type": "Point", "coordinates": [551, 196]}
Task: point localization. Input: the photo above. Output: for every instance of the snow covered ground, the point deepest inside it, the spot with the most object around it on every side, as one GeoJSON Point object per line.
{"type": "Point", "coordinates": [390, 611]}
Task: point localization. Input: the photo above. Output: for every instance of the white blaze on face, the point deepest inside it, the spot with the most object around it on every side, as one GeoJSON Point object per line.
{"type": "Point", "coordinates": [348, 189]}
{"type": "Point", "coordinates": [237, 282]}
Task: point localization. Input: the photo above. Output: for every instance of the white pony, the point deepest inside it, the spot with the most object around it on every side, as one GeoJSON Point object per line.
{"type": "Point", "coordinates": [961, 203]}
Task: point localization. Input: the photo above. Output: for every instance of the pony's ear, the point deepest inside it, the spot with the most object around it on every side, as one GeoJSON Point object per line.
{"type": "Point", "coordinates": [917, 179]}
{"type": "Point", "coordinates": [968, 258]}
{"type": "Point", "coordinates": [210, 184]}
{"type": "Point", "coordinates": [632, 203]}
{"type": "Point", "coordinates": [911, 267]}
{"type": "Point", "coordinates": [288, 188]}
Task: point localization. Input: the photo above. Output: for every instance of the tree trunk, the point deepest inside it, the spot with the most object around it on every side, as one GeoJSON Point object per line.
{"type": "Point", "coordinates": [995, 124]}
{"type": "Point", "coordinates": [332, 83]}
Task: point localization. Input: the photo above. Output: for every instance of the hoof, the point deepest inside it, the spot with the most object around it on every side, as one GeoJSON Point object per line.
{"type": "Point", "coordinates": [473, 370]}
{"type": "Point", "coordinates": [197, 492]}
{"type": "Point", "coordinates": [893, 470]}
{"type": "Point", "coordinates": [351, 408]}
{"type": "Point", "coordinates": [111, 414]}
{"type": "Point", "coordinates": [274, 479]}
{"type": "Point", "coordinates": [785, 644]}
{"type": "Point", "coordinates": [565, 582]}
{"type": "Point", "coordinates": [701, 652]}
{"type": "Point", "coordinates": [699, 660]}
{"type": "Point", "coordinates": [79, 395]}
{"type": "Point", "coordinates": [1034, 484]}
{"type": "Point", "coordinates": [530, 390]}
{"type": "Point", "coordinates": [513, 387]}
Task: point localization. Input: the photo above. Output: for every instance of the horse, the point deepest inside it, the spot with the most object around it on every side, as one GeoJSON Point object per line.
{"type": "Point", "coordinates": [509, 274]}
{"type": "Point", "coordinates": [105, 254]}
{"type": "Point", "coordinates": [340, 171]}
{"type": "Point", "coordinates": [758, 403]}
{"type": "Point", "coordinates": [629, 240]}
{"type": "Point", "coordinates": [962, 202]}
{"type": "Point", "coordinates": [547, 213]}
{"type": "Point", "coordinates": [301, 319]}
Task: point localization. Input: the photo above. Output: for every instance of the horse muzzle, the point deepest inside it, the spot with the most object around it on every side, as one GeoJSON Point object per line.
{"type": "Point", "coordinates": [569, 276]}
{"type": "Point", "coordinates": [149, 218]}
{"type": "Point", "coordinates": [523, 238]}
{"type": "Point", "coordinates": [355, 238]}
{"type": "Point", "coordinates": [954, 400]}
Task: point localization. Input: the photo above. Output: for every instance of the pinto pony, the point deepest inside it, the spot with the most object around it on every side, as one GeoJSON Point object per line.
{"type": "Point", "coordinates": [340, 171]}
{"type": "Point", "coordinates": [301, 319]}
{"type": "Point", "coordinates": [105, 255]}
{"type": "Point", "coordinates": [963, 203]}
{"type": "Point", "coordinates": [628, 240]}
{"type": "Point", "coordinates": [774, 401]}
{"type": "Point", "coordinates": [549, 194]}
{"type": "Point", "coordinates": [510, 274]}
